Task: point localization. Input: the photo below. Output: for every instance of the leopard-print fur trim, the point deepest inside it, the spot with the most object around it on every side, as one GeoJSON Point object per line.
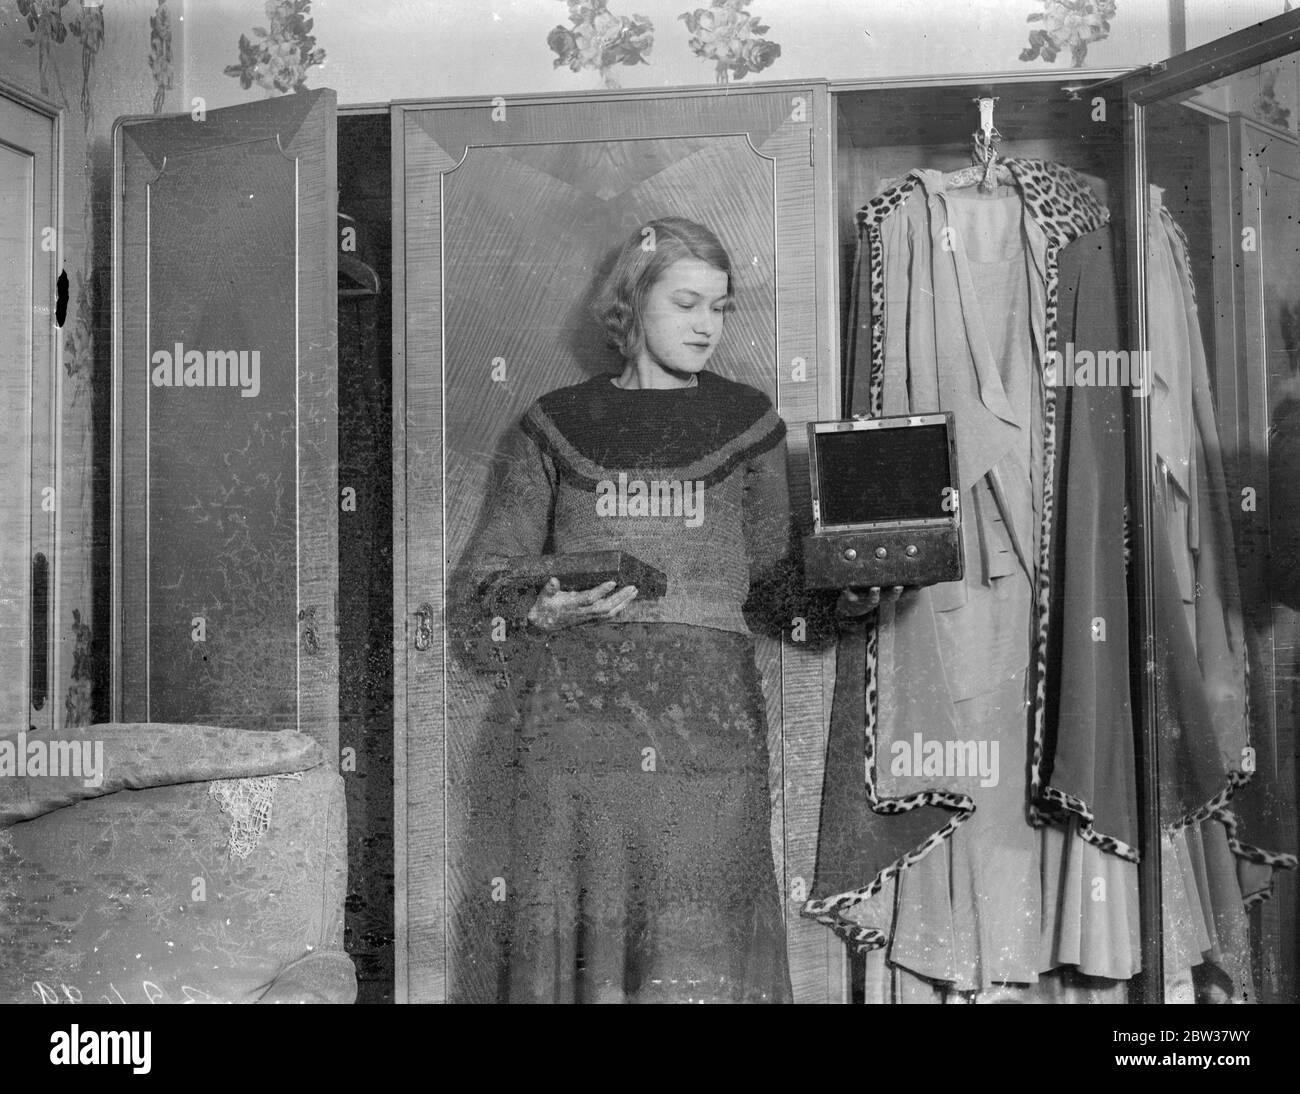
{"type": "Point", "coordinates": [1217, 809]}
{"type": "Point", "coordinates": [829, 911]}
{"type": "Point", "coordinates": [1256, 898]}
{"type": "Point", "coordinates": [1066, 804]}
{"type": "Point", "coordinates": [1048, 502]}
{"type": "Point", "coordinates": [1279, 860]}
{"type": "Point", "coordinates": [869, 219]}
{"type": "Point", "coordinates": [1212, 809]}
{"type": "Point", "coordinates": [1065, 207]}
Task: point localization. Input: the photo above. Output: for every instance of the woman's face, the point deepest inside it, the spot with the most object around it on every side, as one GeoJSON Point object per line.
{"type": "Point", "coordinates": [682, 316]}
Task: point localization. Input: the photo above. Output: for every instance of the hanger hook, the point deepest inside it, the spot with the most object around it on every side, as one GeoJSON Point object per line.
{"type": "Point", "coordinates": [986, 142]}
{"type": "Point", "coordinates": [986, 118]}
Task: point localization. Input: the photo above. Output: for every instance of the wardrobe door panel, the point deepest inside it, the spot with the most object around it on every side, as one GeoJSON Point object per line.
{"type": "Point", "coordinates": [225, 377]}
{"type": "Point", "coordinates": [1218, 543]}
{"type": "Point", "coordinates": [29, 402]}
{"type": "Point", "coordinates": [510, 211]}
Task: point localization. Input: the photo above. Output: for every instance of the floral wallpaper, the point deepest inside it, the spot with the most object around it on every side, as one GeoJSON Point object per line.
{"type": "Point", "coordinates": [280, 59]}
{"type": "Point", "coordinates": [1266, 104]}
{"type": "Point", "coordinates": [419, 49]}
{"type": "Point", "coordinates": [735, 40]}
{"type": "Point", "coordinates": [598, 39]}
{"type": "Point", "coordinates": [48, 29]}
{"type": "Point", "coordinates": [1070, 25]}
{"type": "Point", "coordinates": [726, 34]}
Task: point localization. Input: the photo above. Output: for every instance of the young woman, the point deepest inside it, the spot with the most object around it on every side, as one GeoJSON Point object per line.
{"type": "Point", "coordinates": [642, 867]}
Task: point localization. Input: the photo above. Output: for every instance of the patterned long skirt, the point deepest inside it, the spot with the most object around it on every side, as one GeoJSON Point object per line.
{"type": "Point", "coordinates": [642, 865]}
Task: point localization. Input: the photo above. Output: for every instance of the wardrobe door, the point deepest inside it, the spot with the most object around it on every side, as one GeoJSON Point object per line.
{"type": "Point", "coordinates": [30, 250]}
{"type": "Point", "coordinates": [509, 210]}
{"type": "Point", "coordinates": [226, 447]}
{"type": "Point", "coordinates": [1219, 542]}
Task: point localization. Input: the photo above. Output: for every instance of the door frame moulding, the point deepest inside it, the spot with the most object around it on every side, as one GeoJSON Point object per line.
{"type": "Point", "coordinates": [1243, 49]}
{"type": "Point", "coordinates": [52, 460]}
{"type": "Point", "coordinates": [33, 100]}
{"type": "Point", "coordinates": [559, 98]}
{"type": "Point", "coordinates": [1085, 76]}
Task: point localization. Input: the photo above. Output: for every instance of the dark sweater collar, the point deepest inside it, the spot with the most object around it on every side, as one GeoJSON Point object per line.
{"type": "Point", "coordinates": [594, 426]}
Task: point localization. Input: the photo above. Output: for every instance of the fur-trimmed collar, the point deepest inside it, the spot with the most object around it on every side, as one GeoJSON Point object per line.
{"type": "Point", "coordinates": [1059, 199]}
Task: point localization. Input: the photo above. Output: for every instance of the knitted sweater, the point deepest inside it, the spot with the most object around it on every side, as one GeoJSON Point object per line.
{"type": "Point", "coordinates": [690, 480]}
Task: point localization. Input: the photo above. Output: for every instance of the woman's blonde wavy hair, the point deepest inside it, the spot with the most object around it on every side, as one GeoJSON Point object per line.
{"type": "Point", "coordinates": [642, 261]}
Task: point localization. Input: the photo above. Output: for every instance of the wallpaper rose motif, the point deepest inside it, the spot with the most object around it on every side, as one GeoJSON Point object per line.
{"type": "Point", "coordinates": [280, 61]}
{"type": "Point", "coordinates": [599, 40]}
{"type": "Point", "coordinates": [1068, 24]}
{"type": "Point", "coordinates": [728, 35]}
{"type": "Point", "coordinates": [45, 23]}
{"type": "Point", "coordinates": [1266, 104]}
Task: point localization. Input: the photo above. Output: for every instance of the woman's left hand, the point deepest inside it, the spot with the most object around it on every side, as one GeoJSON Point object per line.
{"type": "Point", "coordinates": [860, 601]}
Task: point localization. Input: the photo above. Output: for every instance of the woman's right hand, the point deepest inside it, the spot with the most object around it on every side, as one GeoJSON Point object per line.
{"type": "Point", "coordinates": [555, 609]}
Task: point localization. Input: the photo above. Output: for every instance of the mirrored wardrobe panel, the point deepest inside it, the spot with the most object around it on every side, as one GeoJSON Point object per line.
{"type": "Point", "coordinates": [993, 854]}
{"type": "Point", "coordinates": [1218, 195]}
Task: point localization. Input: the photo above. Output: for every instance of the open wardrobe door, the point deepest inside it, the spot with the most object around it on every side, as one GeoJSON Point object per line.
{"type": "Point", "coordinates": [509, 213]}
{"type": "Point", "coordinates": [30, 258]}
{"type": "Point", "coordinates": [225, 461]}
{"type": "Point", "coordinates": [1216, 167]}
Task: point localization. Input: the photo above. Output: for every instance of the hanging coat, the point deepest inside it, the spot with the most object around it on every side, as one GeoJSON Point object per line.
{"type": "Point", "coordinates": [1081, 766]}
{"type": "Point", "coordinates": [936, 662]}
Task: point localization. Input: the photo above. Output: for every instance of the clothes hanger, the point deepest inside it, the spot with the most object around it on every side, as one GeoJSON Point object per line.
{"type": "Point", "coordinates": [986, 170]}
